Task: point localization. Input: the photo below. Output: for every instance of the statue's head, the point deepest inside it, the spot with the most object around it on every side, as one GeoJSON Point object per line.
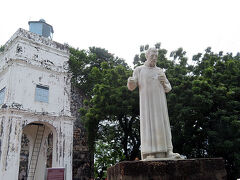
{"type": "Point", "coordinates": [152, 56]}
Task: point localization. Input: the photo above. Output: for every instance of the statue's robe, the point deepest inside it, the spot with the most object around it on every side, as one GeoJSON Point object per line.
{"type": "Point", "coordinates": [154, 121]}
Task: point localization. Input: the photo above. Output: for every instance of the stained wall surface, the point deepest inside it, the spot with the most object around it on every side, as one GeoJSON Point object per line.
{"type": "Point", "coordinates": [28, 61]}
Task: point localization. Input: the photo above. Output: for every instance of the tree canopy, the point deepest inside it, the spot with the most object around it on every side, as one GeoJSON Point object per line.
{"type": "Point", "coordinates": [110, 113]}
{"type": "Point", "coordinates": [2, 48]}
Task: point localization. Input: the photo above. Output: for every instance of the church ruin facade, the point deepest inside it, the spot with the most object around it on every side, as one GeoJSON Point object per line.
{"type": "Point", "coordinates": [35, 100]}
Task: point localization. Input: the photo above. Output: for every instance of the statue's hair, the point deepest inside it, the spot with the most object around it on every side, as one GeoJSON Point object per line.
{"type": "Point", "coordinates": [151, 50]}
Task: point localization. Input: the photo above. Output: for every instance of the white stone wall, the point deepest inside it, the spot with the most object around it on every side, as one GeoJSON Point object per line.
{"type": "Point", "coordinates": [12, 123]}
{"type": "Point", "coordinates": [22, 86]}
{"type": "Point", "coordinates": [29, 60]}
{"type": "Point", "coordinates": [36, 50]}
{"type": "Point", "coordinates": [4, 80]}
{"type": "Point", "coordinates": [10, 145]}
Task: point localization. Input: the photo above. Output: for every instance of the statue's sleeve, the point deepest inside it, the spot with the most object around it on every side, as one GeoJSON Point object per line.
{"type": "Point", "coordinates": [167, 86]}
{"type": "Point", "coordinates": [133, 81]}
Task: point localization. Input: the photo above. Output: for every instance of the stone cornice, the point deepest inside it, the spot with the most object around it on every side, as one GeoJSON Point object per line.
{"type": "Point", "coordinates": [35, 38]}
{"type": "Point", "coordinates": [35, 66]}
{"type": "Point", "coordinates": [38, 115]}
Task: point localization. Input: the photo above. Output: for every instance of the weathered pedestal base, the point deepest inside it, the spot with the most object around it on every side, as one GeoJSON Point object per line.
{"type": "Point", "coordinates": [190, 169]}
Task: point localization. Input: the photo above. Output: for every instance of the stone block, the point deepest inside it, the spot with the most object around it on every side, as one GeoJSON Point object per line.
{"type": "Point", "coordinates": [189, 169]}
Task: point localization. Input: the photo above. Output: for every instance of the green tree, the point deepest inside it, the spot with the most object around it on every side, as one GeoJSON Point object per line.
{"type": "Point", "coordinates": [221, 74]}
{"type": "Point", "coordinates": [113, 103]}
{"type": "Point", "coordinates": [108, 149]}
{"type": "Point", "coordinates": [2, 48]}
{"type": "Point", "coordinates": [139, 59]}
{"type": "Point", "coordinates": [186, 108]}
{"type": "Point", "coordinates": [110, 111]}
{"type": "Point", "coordinates": [81, 64]}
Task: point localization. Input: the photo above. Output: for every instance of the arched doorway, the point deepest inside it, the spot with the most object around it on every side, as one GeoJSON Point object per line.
{"type": "Point", "coordinates": [36, 150]}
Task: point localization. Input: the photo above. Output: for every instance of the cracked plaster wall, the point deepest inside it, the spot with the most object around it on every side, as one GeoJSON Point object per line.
{"type": "Point", "coordinates": [25, 64]}
{"type": "Point", "coordinates": [12, 124]}
{"type": "Point", "coordinates": [29, 60]}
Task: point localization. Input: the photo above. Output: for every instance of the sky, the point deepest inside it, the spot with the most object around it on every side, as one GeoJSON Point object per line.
{"type": "Point", "coordinates": [121, 26]}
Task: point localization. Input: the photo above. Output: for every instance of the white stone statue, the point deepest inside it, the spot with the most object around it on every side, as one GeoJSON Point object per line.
{"type": "Point", "coordinates": [156, 140]}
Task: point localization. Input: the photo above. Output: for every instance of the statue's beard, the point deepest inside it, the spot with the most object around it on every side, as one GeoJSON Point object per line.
{"type": "Point", "coordinates": [151, 63]}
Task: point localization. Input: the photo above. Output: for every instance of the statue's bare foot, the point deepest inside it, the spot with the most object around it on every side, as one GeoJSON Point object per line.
{"type": "Point", "coordinates": [173, 155]}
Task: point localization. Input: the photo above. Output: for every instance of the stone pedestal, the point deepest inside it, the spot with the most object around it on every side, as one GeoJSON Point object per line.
{"type": "Point", "coordinates": [190, 169]}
